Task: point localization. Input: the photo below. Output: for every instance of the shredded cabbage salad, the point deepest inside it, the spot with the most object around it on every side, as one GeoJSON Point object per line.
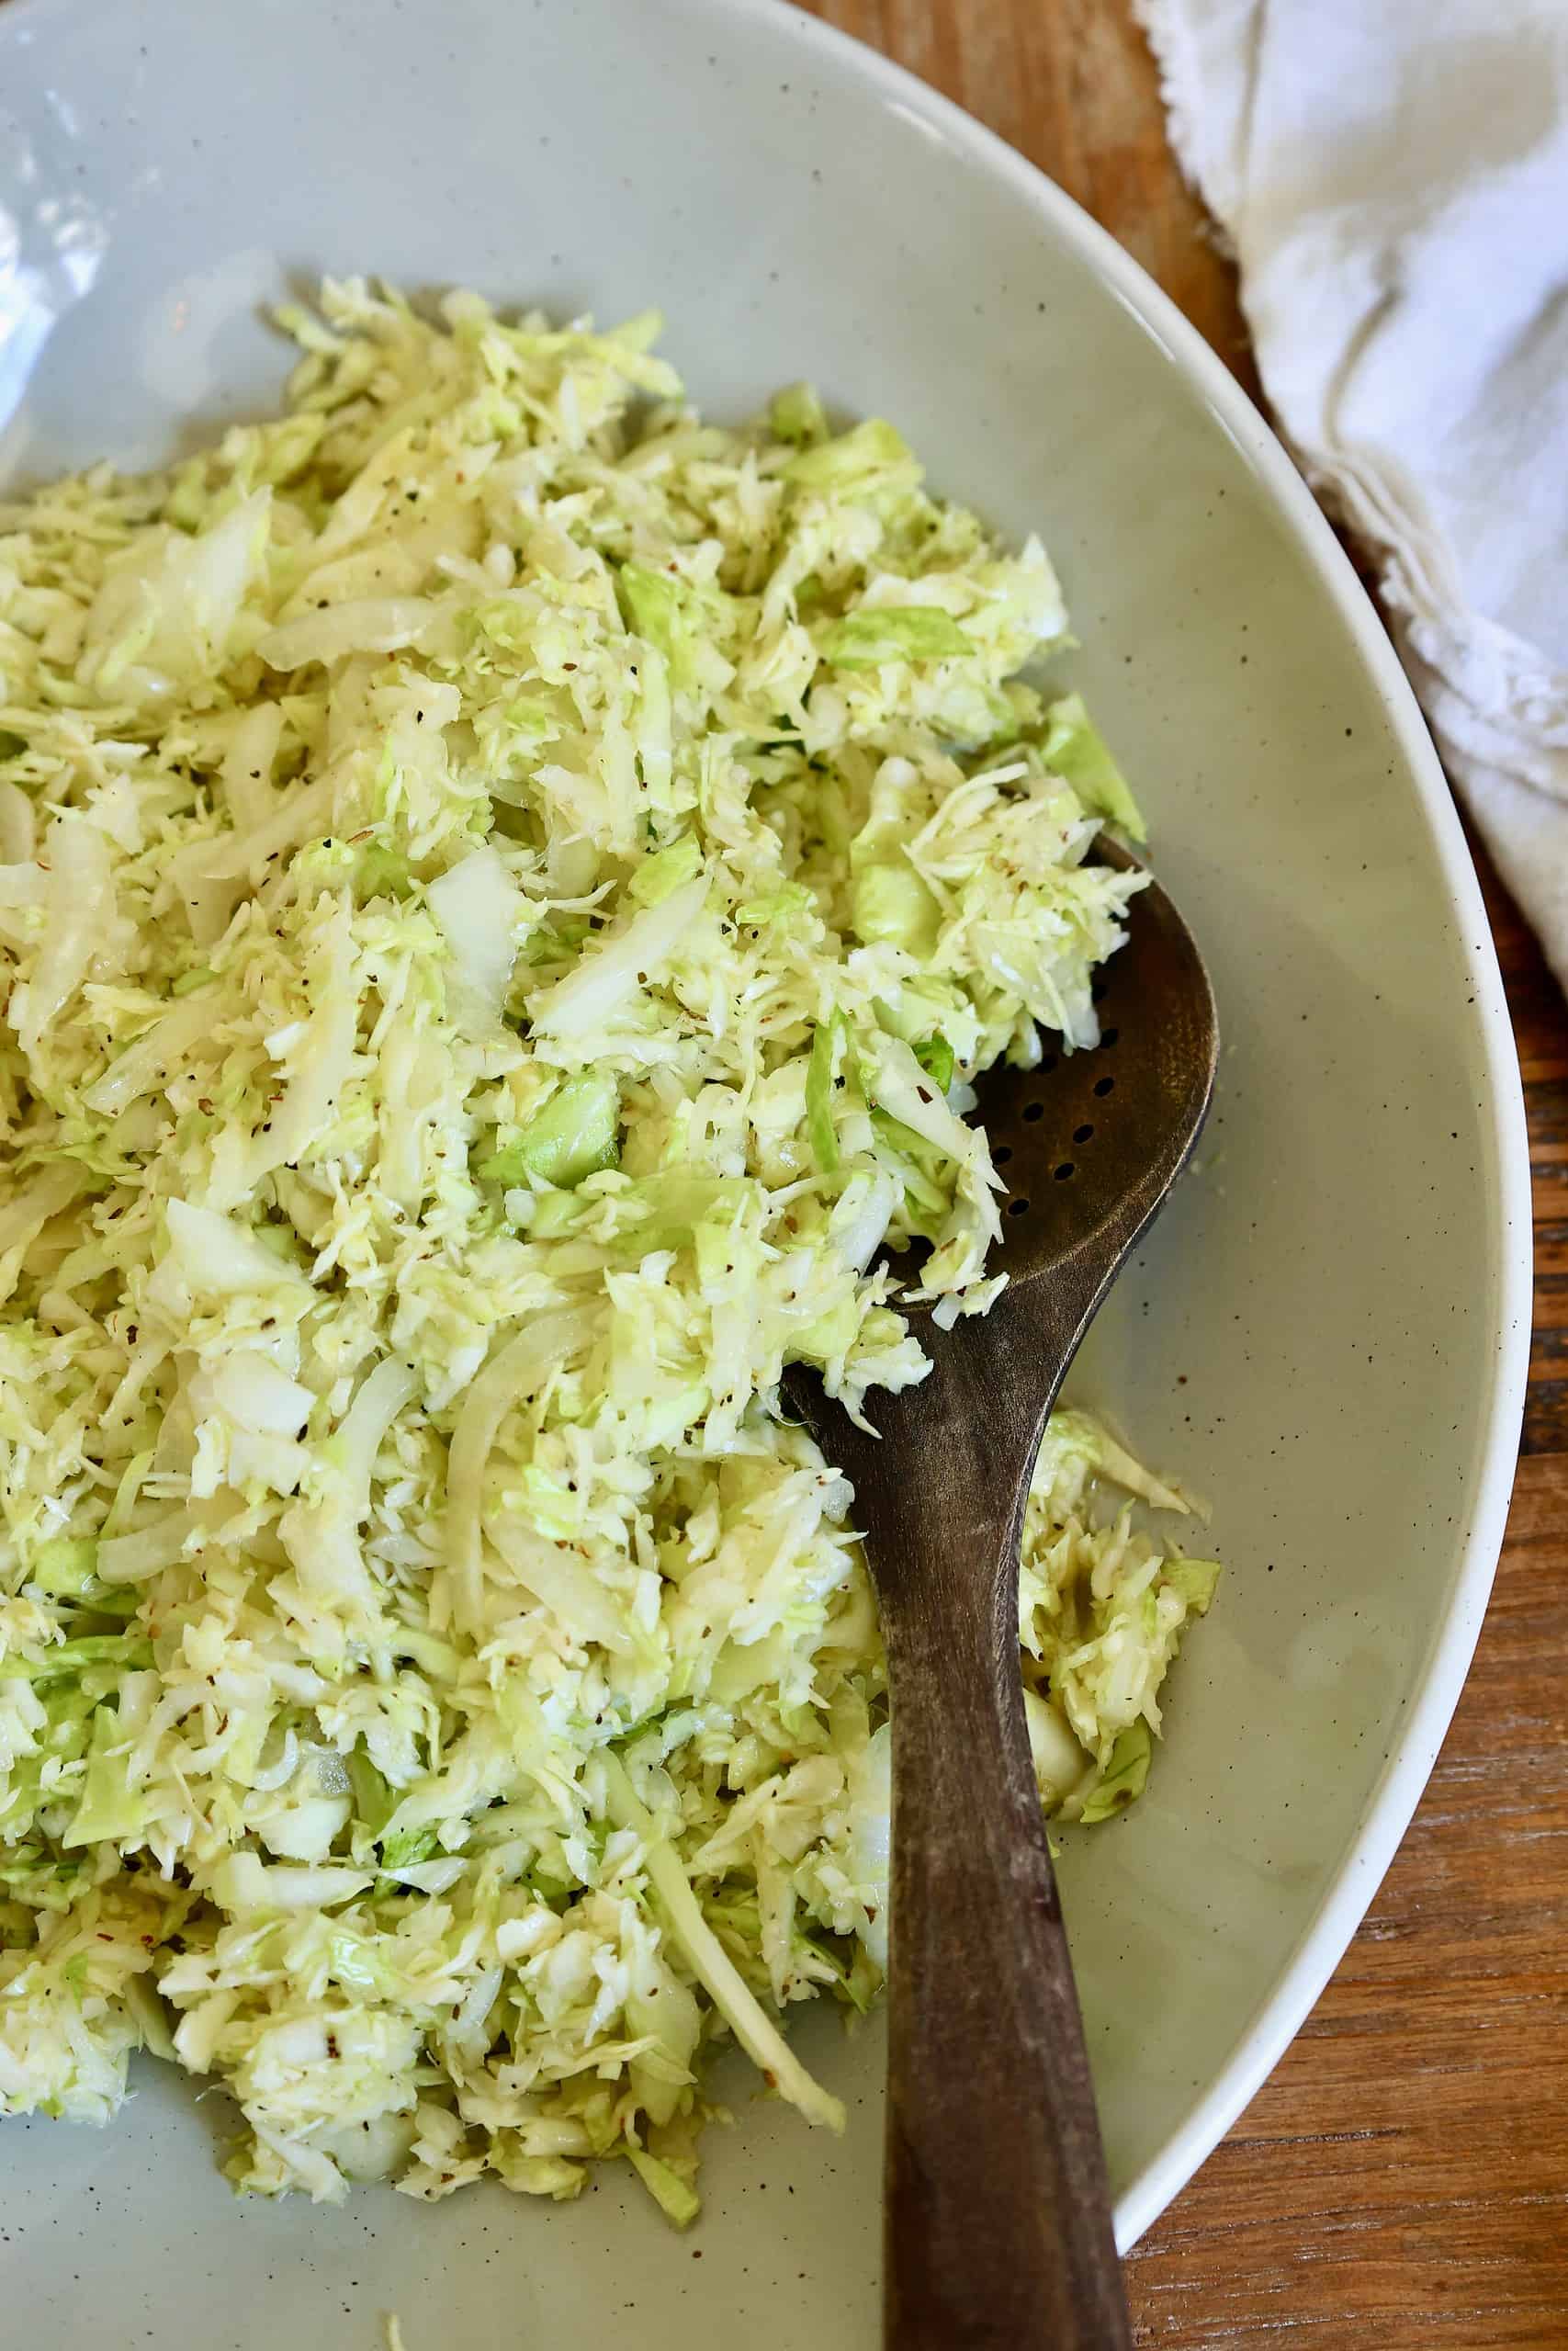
{"type": "Point", "coordinates": [504, 886]}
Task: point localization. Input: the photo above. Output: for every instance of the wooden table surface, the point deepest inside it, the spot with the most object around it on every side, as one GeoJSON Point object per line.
{"type": "Point", "coordinates": [1401, 2181]}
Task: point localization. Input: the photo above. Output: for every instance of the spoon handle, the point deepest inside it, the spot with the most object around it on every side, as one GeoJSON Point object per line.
{"type": "Point", "coordinates": [997, 2215]}
{"type": "Point", "coordinates": [998, 2227]}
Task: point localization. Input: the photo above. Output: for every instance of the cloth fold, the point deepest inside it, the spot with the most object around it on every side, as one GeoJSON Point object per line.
{"type": "Point", "coordinates": [1392, 177]}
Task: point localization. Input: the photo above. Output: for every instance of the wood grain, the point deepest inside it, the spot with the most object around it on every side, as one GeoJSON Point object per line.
{"type": "Point", "coordinates": [1402, 2183]}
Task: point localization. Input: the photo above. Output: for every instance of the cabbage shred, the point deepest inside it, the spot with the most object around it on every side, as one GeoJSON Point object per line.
{"type": "Point", "coordinates": [504, 889]}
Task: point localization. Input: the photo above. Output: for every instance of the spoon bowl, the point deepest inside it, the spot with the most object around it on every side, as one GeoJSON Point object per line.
{"type": "Point", "coordinates": [1088, 1144]}
{"type": "Point", "coordinates": [997, 2222]}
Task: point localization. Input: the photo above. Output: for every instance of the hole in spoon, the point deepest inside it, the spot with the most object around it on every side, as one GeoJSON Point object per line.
{"type": "Point", "coordinates": [1033, 1111]}
{"type": "Point", "coordinates": [1110, 1036]}
{"type": "Point", "coordinates": [1101, 1086]}
{"type": "Point", "coordinates": [1063, 1171]}
{"type": "Point", "coordinates": [1082, 1134]}
{"type": "Point", "coordinates": [1002, 1155]}
{"type": "Point", "coordinates": [1017, 1207]}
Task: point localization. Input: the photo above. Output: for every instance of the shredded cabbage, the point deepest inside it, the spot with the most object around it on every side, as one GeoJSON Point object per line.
{"type": "Point", "coordinates": [507, 887]}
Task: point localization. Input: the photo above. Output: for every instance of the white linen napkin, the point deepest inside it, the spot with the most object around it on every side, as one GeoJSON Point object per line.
{"type": "Point", "coordinates": [1392, 175]}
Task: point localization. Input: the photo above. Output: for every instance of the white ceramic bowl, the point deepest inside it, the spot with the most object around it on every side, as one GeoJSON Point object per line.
{"type": "Point", "coordinates": [1328, 1330]}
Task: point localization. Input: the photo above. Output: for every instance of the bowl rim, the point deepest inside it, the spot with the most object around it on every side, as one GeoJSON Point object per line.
{"type": "Point", "coordinates": [1404, 1777]}
{"type": "Point", "coordinates": [1399, 1785]}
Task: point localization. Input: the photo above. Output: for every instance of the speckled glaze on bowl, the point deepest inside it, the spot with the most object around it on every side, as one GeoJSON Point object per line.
{"type": "Point", "coordinates": [1327, 1332]}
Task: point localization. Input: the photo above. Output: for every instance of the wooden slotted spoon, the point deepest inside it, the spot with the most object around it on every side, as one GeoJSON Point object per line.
{"type": "Point", "coordinates": [998, 2228]}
